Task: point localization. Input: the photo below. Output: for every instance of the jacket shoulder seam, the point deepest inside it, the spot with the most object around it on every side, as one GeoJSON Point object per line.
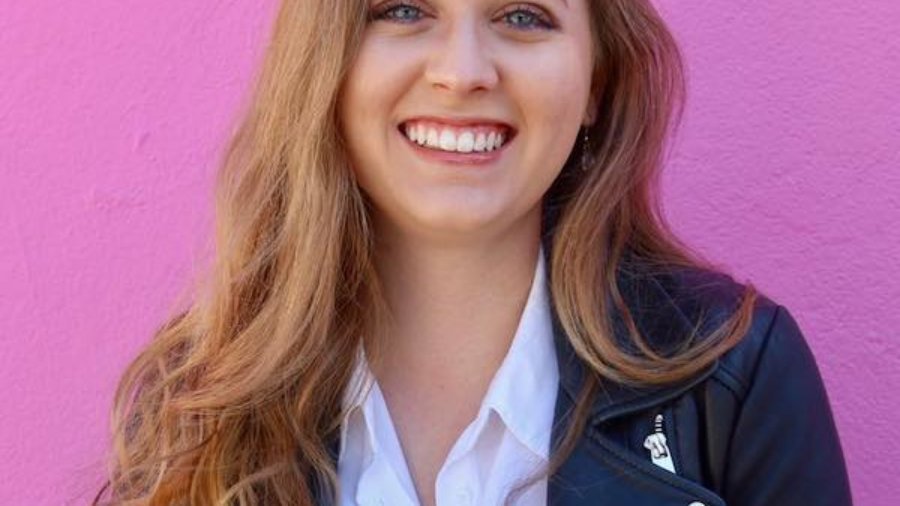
{"type": "Point", "coordinates": [767, 338]}
{"type": "Point", "coordinates": [731, 381]}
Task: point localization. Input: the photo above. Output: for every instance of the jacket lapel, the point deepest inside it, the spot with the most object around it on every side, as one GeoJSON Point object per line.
{"type": "Point", "coordinates": [594, 473]}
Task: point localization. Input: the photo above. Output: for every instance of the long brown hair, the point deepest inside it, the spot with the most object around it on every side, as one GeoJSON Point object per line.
{"type": "Point", "coordinates": [236, 396]}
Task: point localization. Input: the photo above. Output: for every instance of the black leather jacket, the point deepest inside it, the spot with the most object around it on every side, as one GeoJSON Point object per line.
{"type": "Point", "coordinates": [754, 429]}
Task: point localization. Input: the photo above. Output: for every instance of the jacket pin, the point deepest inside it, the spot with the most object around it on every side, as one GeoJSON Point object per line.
{"type": "Point", "coordinates": [659, 450]}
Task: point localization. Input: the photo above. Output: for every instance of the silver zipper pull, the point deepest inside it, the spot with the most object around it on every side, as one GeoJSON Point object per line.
{"type": "Point", "coordinates": [659, 450]}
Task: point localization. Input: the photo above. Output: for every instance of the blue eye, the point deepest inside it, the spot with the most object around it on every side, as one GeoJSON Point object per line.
{"type": "Point", "coordinates": [528, 18]}
{"type": "Point", "coordinates": [521, 17]}
{"type": "Point", "coordinates": [401, 12]}
{"type": "Point", "coordinates": [397, 11]}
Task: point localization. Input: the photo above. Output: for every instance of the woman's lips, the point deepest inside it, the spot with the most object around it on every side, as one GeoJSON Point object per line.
{"type": "Point", "coordinates": [473, 158]}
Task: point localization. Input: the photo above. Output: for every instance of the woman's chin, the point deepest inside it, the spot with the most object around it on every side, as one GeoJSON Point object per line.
{"type": "Point", "coordinates": [453, 225]}
{"type": "Point", "coordinates": [456, 225]}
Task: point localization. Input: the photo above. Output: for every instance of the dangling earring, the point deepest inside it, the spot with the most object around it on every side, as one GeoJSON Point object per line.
{"type": "Point", "coordinates": [586, 158]}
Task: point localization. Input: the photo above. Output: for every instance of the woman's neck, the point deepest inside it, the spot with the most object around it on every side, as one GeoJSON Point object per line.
{"type": "Point", "coordinates": [455, 308]}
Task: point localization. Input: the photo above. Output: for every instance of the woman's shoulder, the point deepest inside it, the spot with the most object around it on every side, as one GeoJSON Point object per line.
{"type": "Point", "coordinates": [671, 303]}
{"type": "Point", "coordinates": [771, 397]}
{"type": "Point", "coordinates": [707, 298]}
{"type": "Point", "coordinates": [693, 302]}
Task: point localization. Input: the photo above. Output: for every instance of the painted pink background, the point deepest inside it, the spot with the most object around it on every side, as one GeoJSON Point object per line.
{"type": "Point", "coordinates": [113, 114]}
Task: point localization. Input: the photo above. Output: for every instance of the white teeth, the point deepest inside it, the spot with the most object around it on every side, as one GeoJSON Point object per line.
{"type": "Point", "coordinates": [412, 132]}
{"type": "Point", "coordinates": [466, 141]}
{"type": "Point", "coordinates": [448, 140]}
{"type": "Point", "coordinates": [432, 139]}
{"type": "Point", "coordinates": [480, 142]}
{"type": "Point", "coordinates": [421, 134]}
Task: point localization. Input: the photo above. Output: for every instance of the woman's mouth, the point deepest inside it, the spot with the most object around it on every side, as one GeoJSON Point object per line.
{"type": "Point", "coordinates": [466, 144]}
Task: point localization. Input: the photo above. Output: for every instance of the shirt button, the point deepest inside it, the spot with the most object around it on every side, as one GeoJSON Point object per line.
{"type": "Point", "coordinates": [696, 503]}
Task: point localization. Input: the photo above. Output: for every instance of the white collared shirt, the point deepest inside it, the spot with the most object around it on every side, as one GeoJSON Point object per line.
{"type": "Point", "coordinates": [508, 440]}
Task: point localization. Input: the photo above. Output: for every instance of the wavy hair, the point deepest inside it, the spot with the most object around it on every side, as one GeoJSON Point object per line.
{"type": "Point", "coordinates": [236, 396]}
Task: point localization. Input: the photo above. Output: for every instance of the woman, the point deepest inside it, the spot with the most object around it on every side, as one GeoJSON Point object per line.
{"type": "Point", "coordinates": [442, 278]}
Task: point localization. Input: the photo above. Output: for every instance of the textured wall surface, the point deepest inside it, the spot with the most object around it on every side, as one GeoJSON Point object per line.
{"type": "Point", "coordinates": [112, 118]}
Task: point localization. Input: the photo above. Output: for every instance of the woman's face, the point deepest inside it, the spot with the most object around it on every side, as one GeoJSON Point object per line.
{"type": "Point", "coordinates": [462, 77]}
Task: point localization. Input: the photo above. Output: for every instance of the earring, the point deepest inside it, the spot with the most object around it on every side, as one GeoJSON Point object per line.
{"type": "Point", "coordinates": [586, 158]}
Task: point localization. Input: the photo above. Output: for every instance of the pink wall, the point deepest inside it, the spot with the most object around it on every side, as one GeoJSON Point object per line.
{"type": "Point", "coordinates": [113, 114]}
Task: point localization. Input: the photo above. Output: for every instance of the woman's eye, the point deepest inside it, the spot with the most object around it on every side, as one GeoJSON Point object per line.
{"type": "Point", "coordinates": [528, 18]}
{"type": "Point", "coordinates": [520, 17]}
{"type": "Point", "coordinates": [399, 12]}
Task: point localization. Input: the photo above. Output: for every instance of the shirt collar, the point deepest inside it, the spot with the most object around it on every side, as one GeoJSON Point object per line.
{"type": "Point", "coordinates": [356, 396]}
{"type": "Point", "coordinates": [523, 391]}
{"type": "Point", "coordinates": [528, 373]}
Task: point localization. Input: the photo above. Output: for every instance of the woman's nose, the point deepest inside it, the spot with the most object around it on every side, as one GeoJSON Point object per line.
{"type": "Point", "coordinates": [460, 61]}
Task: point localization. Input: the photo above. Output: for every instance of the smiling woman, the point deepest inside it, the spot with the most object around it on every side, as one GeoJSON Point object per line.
{"type": "Point", "coordinates": [442, 278]}
{"type": "Point", "coordinates": [457, 72]}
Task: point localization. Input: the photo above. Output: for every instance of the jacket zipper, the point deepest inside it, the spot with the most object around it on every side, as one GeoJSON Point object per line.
{"type": "Point", "coordinates": [656, 443]}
